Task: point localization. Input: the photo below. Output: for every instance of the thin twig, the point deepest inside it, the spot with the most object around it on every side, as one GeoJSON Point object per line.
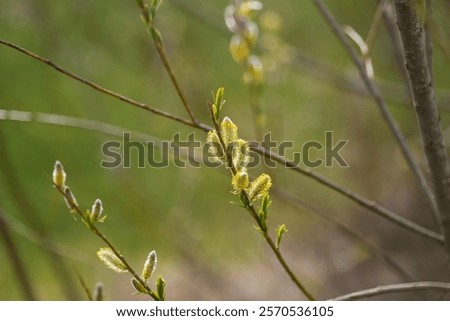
{"type": "Point", "coordinates": [375, 26]}
{"type": "Point", "coordinates": [387, 116]}
{"type": "Point", "coordinates": [360, 200]}
{"type": "Point", "coordinates": [97, 87]}
{"type": "Point", "coordinates": [395, 288]}
{"type": "Point", "coordinates": [17, 263]}
{"type": "Point", "coordinates": [426, 109]}
{"type": "Point", "coordinates": [157, 41]}
{"type": "Point", "coordinates": [97, 232]}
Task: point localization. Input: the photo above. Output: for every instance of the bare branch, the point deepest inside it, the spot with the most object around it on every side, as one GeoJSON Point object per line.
{"type": "Point", "coordinates": [395, 288]}
{"type": "Point", "coordinates": [387, 116]}
{"type": "Point", "coordinates": [96, 86]}
{"type": "Point", "coordinates": [426, 109]}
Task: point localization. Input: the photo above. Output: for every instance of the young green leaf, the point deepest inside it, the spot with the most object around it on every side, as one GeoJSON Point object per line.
{"type": "Point", "coordinates": [161, 288]}
{"type": "Point", "coordinates": [280, 231]}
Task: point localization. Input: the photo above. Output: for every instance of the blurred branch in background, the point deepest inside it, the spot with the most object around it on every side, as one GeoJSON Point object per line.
{"type": "Point", "coordinates": [148, 15]}
{"type": "Point", "coordinates": [30, 215]}
{"type": "Point", "coordinates": [395, 288]}
{"type": "Point", "coordinates": [18, 265]}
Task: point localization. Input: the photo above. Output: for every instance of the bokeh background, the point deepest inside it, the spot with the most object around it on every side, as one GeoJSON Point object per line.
{"type": "Point", "coordinates": [207, 246]}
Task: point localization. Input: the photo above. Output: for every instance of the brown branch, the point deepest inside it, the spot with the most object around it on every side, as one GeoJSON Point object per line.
{"type": "Point", "coordinates": [387, 116]}
{"type": "Point", "coordinates": [426, 109]}
{"type": "Point", "coordinates": [395, 288]}
{"type": "Point", "coordinates": [157, 41]}
{"type": "Point", "coordinates": [396, 41]}
{"type": "Point", "coordinates": [96, 86]}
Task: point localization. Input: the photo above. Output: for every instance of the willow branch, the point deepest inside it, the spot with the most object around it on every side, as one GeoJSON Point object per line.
{"type": "Point", "coordinates": [157, 41]}
{"type": "Point", "coordinates": [252, 211]}
{"type": "Point", "coordinates": [358, 199]}
{"type": "Point", "coordinates": [395, 288]}
{"type": "Point", "coordinates": [387, 116]}
{"type": "Point", "coordinates": [426, 109]}
{"type": "Point", "coordinates": [97, 232]}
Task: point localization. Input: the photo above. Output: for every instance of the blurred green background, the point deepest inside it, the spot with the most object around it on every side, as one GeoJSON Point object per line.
{"type": "Point", "coordinates": [207, 247]}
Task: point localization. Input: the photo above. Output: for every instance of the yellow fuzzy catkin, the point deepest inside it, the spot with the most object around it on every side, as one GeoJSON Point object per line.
{"type": "Point", "coordinates": [239, 49]}
{"type": "Point", "coordinates": [240, 155]}
{"type": "Point", "coordinates": [254, 74]}
{"type": "Point", "coordinates": [111, 260]}
{"type": "Point", "coordinates": [240, 181]}
{"type": "Point", "coordinates": [259, 187]}
{"type": "Point", "coordinates": [229, 131]}
{"type": "Point", "coordinates": [215, 148]}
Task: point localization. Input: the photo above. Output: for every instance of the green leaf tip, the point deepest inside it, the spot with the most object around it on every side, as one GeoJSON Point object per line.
{"type": "Point", "coordinates": [161, 288]}
{"type": "Point", "coordinates": [219, 101]}
{"type": "Point", "coordinates": [280, 231]}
